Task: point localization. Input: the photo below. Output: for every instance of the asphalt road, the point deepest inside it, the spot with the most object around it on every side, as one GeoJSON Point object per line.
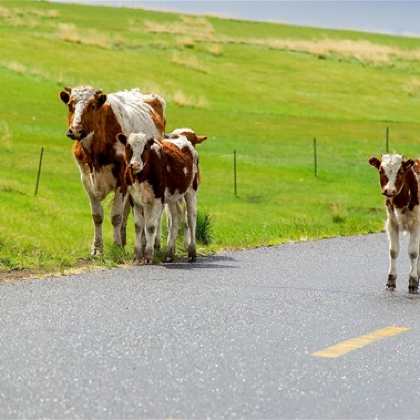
{"type": "Point", "coordinates": [232, 336]}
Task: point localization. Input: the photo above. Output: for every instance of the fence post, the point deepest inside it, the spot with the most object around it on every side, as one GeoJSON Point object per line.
{"type": "Point", "coordinates": [234, 172]}
{"type": "Point", "coordinates": [39, 171]}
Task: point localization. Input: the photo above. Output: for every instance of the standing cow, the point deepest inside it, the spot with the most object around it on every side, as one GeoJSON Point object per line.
{"type": "Point", "coordinates": [95, 118]}
{"type": "Point", "coordinates": [159, 172]}
{"type": "Point", "coordinates": [399, 180]}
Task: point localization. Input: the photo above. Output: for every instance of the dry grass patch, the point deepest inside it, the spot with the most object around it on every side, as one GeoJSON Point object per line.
{"type": "Point", "coordinates": [189, 61]}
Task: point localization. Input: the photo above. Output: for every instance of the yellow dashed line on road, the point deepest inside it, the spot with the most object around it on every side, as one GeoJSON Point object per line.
{"type": "Point", "coordinates": [356, 343]}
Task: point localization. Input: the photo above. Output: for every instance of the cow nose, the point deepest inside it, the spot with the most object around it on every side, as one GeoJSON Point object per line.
{"type": "Point", "coordinates": [71, 134]}
{"type": "Point", "coordinates": [389, 192]}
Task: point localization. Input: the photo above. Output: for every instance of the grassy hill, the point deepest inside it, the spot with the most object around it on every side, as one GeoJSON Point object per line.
{"type": "Point", "coordinates": [262, 89]}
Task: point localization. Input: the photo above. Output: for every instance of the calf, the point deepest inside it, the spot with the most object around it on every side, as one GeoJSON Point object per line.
{"type": "Point", "coordinates": [399, 180]}
{"type": "Point", "coordinates": [159, 172]}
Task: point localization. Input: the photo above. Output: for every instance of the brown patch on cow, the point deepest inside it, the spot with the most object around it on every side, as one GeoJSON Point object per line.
{"type": "Point", "coordinates": [100, 119]}
{"type": "Point", "coordinates": [158, 112]}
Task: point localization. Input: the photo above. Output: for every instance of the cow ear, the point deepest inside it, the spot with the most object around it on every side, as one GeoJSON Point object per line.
{"type": "Point", "coordinates": [375, 162]}
{"type": "Point", "coordinates": [122, 138]}
{"type": "Point", "coordinates": [65, 96]}
{"type": "Point", "coordinates": [101, 100]}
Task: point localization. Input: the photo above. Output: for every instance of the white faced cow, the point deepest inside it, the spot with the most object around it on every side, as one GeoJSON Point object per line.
{"type": "Point", "coordinates": [399, 180]}
{"type": "Point", "coordinates": [95, 119]}
{"type": "Point", "coordinates": [159, 172]}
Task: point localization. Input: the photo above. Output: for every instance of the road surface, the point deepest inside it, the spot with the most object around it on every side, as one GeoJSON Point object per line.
{"type": "Point", "coordinates": [232, 336]}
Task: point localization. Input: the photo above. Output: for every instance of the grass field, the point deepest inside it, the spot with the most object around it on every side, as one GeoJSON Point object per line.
{"type": "Point", "coordinates": [265, 90]}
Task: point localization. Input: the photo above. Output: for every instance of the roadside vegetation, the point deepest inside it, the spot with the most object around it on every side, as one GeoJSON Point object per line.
{"type": "Point", "coordinates": [263, 90]}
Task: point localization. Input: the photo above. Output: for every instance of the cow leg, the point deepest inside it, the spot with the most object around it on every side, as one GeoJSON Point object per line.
{"type": "Point", "coordinates": [191, 208]}
{"type": "Point", "coordinates": [97, 218]}
{"type": "Point", "coordinates": [138, 227]}
{"type": "Point", "coordinates": [413, 253]}
{"type": "Point", "coordinates": [392, 228]}
{"type": "Point", "coordinates": [173, 215]}
{"type": "Point", "coordinates": [117, 217]}
{"type": "Point", "coordinates": [152, 217]}
{"type": "Point", "coordinates": [187, 232]}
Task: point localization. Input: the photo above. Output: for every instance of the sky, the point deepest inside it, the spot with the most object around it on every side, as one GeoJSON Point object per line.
{"type": "Point", "coordinates": [391, 17]}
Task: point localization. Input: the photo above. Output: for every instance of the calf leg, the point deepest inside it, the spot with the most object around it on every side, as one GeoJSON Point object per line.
{"type": "Point", "coordinates": [173, 216]}
{"type": "Point", "coordinates": [152, 217]}
{"type": "Point", "coordinates": [139, 227]}
{"type": "Point", "coordinates": [126, 212]}
{"type": "Point", "coordinates": [413, 253]}
{"type": "Point", "coordinates": [392, 228]}
{"type": "Point", "coordinates": [191, 208]}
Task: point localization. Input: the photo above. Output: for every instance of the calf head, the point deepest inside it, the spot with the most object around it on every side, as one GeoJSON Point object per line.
{"type": "Point", "coordinates": [188, 134]}
{"type": "Point", "coordinates": [83, 103]}
{"type": "Point", "coordinates": [392, 172]}
{"type": "Point", "coordinates": [137, 150]}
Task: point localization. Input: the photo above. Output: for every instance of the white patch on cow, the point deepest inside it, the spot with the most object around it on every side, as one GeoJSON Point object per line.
{"type": "Point", "coordinates": [185, 171]}
{"type": "Point", "coordinates": [119, 148]}
{"type": "Point", "coordinates": [142, 193]}
{"type": "Point", "coordinates": [168, 168]}
{"type": "Point", "coordinates": [98, 184]}
{"type": "Point", "coordinates": [81, 96]}
{"type": "Point", "coordinates": [137, 141]}
{"type": "Point", "coordinates": [180, 132]}
{"type": "Point", "coordinates": [391, 165]}
{"type": "Point", "coordinates": [132, 113]}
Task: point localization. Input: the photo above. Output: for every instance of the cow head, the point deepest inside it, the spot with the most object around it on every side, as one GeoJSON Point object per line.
{"type": "Point", "coordinates": [137, 149]}
{"type": "Point", "coordinates": [188, 134]}
{"type": "Point", "coordinates": [392, 170]}
{"type": "Point", "coordinates": [83, 103]}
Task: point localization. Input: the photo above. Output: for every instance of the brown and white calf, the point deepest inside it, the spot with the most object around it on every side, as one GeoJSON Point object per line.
{"type": "Point", "coordinates": [95, 118]}
{"type": "Point", "coordinates": [399, 180]}
{"type": "Point", "coordinates": [159, 172]}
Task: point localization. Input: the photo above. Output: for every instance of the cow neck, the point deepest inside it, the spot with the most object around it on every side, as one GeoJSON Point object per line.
{"type": "Point", "coordinates": [408, 195]}
{"type": "Point", "coordinates": [154, 172]}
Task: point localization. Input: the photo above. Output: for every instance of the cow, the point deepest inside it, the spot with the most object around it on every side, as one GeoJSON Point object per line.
{"type": "Point", "coordinates": [95, 118]}
{"type": "Point", "coordinates": [162, 171]}
{"type": "Point", "coordinates": [399, 180]}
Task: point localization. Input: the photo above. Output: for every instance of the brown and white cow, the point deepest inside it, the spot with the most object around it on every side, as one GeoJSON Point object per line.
{"type": "Point", "coordinates": [399, 180]}
{"type": "Point", "coordinates": [159, 172]}
{"type": "Point", "coordinates": [95, 118]}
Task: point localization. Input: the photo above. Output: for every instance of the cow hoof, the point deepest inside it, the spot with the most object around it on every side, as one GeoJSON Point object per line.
{"type": "Point", "coordinates": [96, 252]}
{"type": "Point", "coordinates": [192, 259]}
{"type": "Point", "coordinates": [169, 259]}
{"type": "Point", "coordinates": [148, 261]}
{"type": "Point", "coordinates": [392, 282]}
{"type": "Point", "coordinates": [412, 290]}
{"type": "Point", "coordinates": [138, 261]}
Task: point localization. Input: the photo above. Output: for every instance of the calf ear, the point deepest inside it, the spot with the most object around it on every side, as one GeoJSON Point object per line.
{"type": "Point", "coordinates": [200, 139]}
{"type": "Point", "coordinates": [408, 164]}
{"type": "Point", "coordinates": [65, 96]}
{"type": "Point", "coordinates": [149, 143]}
{"type": "Point", "coordinates": [375, 162]}
{"type": "Point", "coordinates": [122, 138]}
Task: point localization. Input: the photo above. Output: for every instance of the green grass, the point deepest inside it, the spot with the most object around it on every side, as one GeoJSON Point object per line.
{"type": "Point", "coordinates": [262, 89]}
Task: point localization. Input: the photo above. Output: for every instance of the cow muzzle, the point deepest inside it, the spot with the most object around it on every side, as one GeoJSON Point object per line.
{"type": "Point", "coordinates": [390, 192]}
{"type": "Point", "coordinates": [135, 167]}
{"type": "Point", "coordinates": [76, 133]}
